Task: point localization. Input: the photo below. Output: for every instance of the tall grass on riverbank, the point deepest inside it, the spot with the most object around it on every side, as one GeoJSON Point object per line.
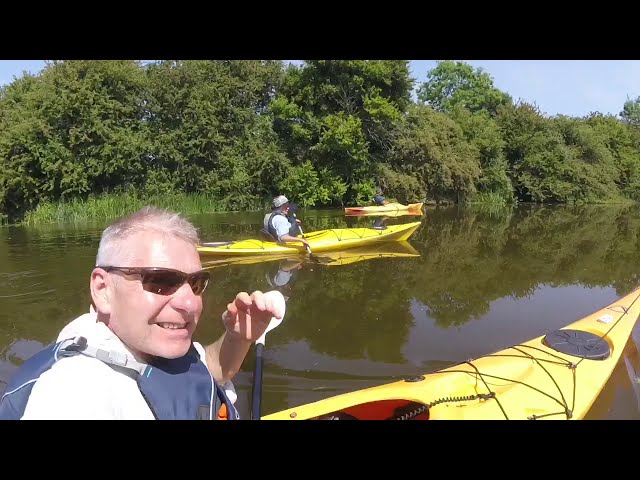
{"type": "Point", "coordinates": [488, 198]}
{"type": "Point", "coordinates": [111, 206]}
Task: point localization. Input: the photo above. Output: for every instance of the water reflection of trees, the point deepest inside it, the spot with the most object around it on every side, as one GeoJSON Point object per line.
{"type": "Point", "coordinates": [353, 311]}
{"type": "Point", "coordinates": [470, 259]}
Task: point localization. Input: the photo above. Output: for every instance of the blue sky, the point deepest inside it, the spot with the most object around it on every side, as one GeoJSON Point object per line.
{"type": "Point", "coordinates": [569, 87]}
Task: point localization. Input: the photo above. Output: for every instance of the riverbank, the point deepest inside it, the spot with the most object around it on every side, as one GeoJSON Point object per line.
{"type": "Point", "coordinates": [106, 207]}
{"type": "Point", "coordinates": [110, 206]}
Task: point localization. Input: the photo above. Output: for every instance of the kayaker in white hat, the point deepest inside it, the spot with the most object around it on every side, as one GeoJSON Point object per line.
{"type": "Point", "coordinates": [279, 227]}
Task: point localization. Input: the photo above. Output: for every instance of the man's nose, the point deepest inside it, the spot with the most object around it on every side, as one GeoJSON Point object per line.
{"type": "Point", "coordinates": [185, 299]}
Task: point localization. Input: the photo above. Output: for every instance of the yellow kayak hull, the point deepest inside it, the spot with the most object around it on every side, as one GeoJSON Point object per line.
{"type": "Point", "coordinates": [389, 207]}
{"type": "Point", "coordinates": [554, 376]}
{"type": "Point", "coordinates": [320, 241]}
{"type": "Point", "coordinates": [399, 249]}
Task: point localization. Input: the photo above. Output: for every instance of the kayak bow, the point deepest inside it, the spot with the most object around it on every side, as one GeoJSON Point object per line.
{"type": "Point", "coordinates": [554, 376]}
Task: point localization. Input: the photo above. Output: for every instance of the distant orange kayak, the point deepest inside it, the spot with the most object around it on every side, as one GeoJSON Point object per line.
{"type": "Point", "coordinates": [389, 207]}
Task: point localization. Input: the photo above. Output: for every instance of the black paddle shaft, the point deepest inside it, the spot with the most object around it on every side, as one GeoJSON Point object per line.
{"type": "Point", "coordinates": [302, 233]}
{"type": "Point", "coordinates": [299, 227]}
{"type": "Point", "coordinates": [256, 393]}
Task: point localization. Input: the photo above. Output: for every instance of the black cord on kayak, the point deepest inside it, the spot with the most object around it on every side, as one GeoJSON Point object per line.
{"type": "Point", "coordinates": [409, 411]}
{"type": "Point", "coordinates": [466, 398]}
{"type": "Point", "coordinates": [414, 409]}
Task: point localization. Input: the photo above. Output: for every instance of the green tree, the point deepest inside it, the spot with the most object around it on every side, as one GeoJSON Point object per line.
{"type": "Point", "coordinates": [432, 148]}
{"type": "Point", "coordinates": [452, 84]}
{"type": "Point", "coordinates": [483, 132]}
{"type": "Point", "coordinates": [631, 112]}
{"type": "Point", "coordinates": [211, 128]}
{"type": "Point", "coordinates": [342, 116]}
{"type": "Point", "coordinates": [73, 131]}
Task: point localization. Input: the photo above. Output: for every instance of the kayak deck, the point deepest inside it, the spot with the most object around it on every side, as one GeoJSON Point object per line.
{"type": "Point", "coordinates": [554, 376]}
{"type": "Point", "coordinates": [320, 241]}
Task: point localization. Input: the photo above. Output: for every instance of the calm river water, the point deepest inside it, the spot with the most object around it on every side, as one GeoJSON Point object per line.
{"type": "Point", "coordinates": [468, 283]}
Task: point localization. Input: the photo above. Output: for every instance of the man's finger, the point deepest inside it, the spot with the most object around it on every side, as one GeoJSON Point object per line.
{"type": "Point", "coordinates": [230, 312]}
{"type": "Point", "coordinates": [243, 301]}
{"type": "Point", "coordinates": [258, 300]}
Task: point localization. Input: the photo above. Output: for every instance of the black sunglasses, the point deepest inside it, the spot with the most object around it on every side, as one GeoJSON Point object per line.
{"type": "Point", "coordinates": [165, 281]}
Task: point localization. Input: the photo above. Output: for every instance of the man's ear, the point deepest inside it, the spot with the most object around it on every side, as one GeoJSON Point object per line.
{"type": "Point", "coordinates": [101, 286]}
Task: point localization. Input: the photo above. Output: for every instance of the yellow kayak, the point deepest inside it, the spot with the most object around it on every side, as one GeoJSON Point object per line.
{"type": "Point", "coordinates": [389, 207]}
{"type": "Point", "coordinates": [320, 241]}
{"type": "Point", "coordinates": [399, 249]}
{"type": "Point", "coordinates": [555, 376]}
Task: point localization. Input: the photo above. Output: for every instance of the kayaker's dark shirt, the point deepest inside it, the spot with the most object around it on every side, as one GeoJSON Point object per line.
{"type": "Point", "coordinates": [278, 225]}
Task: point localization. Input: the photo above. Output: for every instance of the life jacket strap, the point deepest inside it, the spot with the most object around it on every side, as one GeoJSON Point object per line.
{"type": "Point", "coordinates": [80, 345]}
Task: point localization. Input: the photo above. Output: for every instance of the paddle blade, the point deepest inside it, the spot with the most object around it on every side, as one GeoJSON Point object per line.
{"type": "Point", "coordinates": [280, 307]}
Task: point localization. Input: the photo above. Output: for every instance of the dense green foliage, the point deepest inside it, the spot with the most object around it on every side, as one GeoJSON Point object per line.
{"type": "Point", "coordinates": [325, 133]}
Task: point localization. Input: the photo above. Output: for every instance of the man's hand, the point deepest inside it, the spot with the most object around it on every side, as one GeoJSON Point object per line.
{"type": "Point", "coordinates": [248, 316]}
{"type": "Point", "coordinates": [245, 319]}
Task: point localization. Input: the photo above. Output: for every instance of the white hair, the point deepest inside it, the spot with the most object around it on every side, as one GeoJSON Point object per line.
{"type": "Point", "coordinates": [147, 219]}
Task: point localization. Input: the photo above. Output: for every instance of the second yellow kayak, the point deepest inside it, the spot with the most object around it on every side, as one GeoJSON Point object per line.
{"type": "Point", "coordinates": [554, 376]}
{"type": "Point", "coordinates": [399, 249]}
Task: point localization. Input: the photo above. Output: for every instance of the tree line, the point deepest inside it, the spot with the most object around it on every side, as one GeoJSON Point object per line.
{"type": "Point", "coordinates": [325, 133]}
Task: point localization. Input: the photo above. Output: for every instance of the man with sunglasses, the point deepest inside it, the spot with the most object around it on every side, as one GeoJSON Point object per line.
{"type": "Point", "coordinates": [132, 356]}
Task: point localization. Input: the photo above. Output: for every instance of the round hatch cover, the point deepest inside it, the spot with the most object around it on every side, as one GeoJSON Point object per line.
{"type": "Point", "coordinates": [578, 343]}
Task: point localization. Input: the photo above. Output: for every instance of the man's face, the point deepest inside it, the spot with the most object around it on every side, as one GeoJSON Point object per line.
{"type": "Point", "coordinates": [150, 323]}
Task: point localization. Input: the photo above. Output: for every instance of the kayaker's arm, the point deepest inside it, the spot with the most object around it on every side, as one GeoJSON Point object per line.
{"type": "Point", "coordinates": [225, 356]}
{"type": "Point", "coordinates": [288, 238]}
